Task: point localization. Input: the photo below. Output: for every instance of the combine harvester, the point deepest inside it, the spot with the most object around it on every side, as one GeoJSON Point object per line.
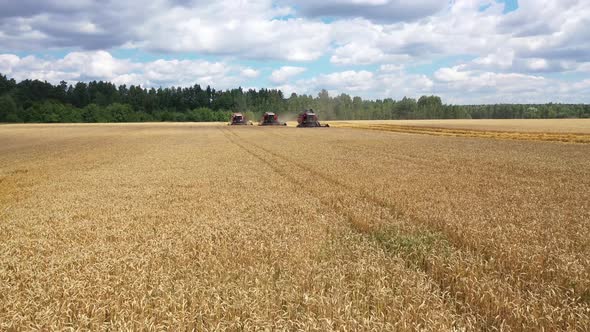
{"type": "Point", "coordinates": [238, 119]}
{"type": "Point", "coordinates": [271, 119]}
{"type": "Point", "coordinates": [308, 119]}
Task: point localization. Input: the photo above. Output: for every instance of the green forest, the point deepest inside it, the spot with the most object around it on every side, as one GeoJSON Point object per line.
{"type": "Point", "coordinates": [34, 101]}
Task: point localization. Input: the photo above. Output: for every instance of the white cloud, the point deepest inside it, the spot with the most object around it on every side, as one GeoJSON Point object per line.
{"type": "Point", "coordinates": [284, 73]}
{"type": "Point", "coordinates": [462, 85]}
{"type": "Point", "coordinates": [101, 65]}
{"type": "Point", "coordinates": [228, 27]}
{"type": "Point", "coordinates": [391, 68]}
{"type": "Point", "coordinates": [350, 80]}
{"type": "Point", "coordinates": [364, 32]}
{"type": "Point", "coordinates": [377, 10]}
{"type": "Point", "coordinates": [502, 59]}
{"type": "Point", "coordinates": [509, 55]}
{"type": "Point", "coordinates": [358, 54]}
{"type": "Point", "coordinates": [294, 40]}
{"type": "Point", "coordinates": [457, 85]}
{"type": "Point", "coordinates": [250, 73]}
{"type": "Point", "coordinates": [537, 64]}
{"type": "Point", "coordinates": [535, 38]}
{"type": "Point", "coordinates": [450, 74]}
{"type": "Point", "coordinates": [94, 64]}
{"type": "Point", "coordinates": [7, 62]}
{"type": "Point", "coordinates": [388, 82]}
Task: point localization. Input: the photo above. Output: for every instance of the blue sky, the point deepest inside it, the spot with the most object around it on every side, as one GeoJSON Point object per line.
{"type": "Point", "coordinates": [466, 51]}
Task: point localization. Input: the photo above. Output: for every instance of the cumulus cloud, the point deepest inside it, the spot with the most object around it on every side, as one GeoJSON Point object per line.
{"type": "Point", "coordinates": [390, 81]}
{"type": "Point", "coordinates": [250, 73]}
{"type": "Point", "coordinates": [462, 85]}
{"type": "Point", "coordinates": [284, 73]}
{"type": "Point", "coordinates": [456, 85]}
{"type": "Point", "coordinates": [377, 10]}
{"type": "Point", "coordinates": [350, 81]}
{"type": "Point", "coordinates": [371, 44]}
{"type": "Point", "coordinates": [101, 65]}
{"type": "Point", "coordinates": [228, 27]}
{"type": "Point", "coordinates": [85, 24]}
{"type": "Point", "coordinates": [34, 7]}
{"type": "Point", "coordinates": [460, 29]}
{"type": "Point", "coordinates": [534, 38]}
{"type": "Point", "coordinates": [363, 32]}
{"type": "Point", "coordinates": [360, 54]}
{"type": "Point", "coordinates": [231, 27]}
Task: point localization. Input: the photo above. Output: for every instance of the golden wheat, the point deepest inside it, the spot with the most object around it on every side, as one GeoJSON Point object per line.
{"type": "Point", "coordinates": [191, 227]}
{"type": "Point", "coordinates": [559, 130]}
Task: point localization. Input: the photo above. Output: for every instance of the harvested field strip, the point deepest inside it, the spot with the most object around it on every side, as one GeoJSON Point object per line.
{"type": "Point", "coordinates": [456, 132]}
{"type": "Point", "coordinates": [442, 257]}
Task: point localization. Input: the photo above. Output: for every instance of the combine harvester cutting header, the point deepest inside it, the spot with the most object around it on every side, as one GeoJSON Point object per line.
{"type": "Point", "coordinates": [271, 119]}
{"type": "Point", "coordinates": [308, 119]}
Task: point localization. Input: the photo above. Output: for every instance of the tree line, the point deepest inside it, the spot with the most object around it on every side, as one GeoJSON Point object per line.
{"type": "Point", "coordinates": [35, 101]}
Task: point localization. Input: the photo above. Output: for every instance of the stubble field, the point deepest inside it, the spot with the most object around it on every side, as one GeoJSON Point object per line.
{"type": "Point", "coordinates": [211, 227]}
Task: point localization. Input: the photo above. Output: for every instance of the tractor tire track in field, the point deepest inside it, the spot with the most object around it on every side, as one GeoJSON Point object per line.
{"type": "Point", "coordinates": [450, 240]}
{"type": "Point", "coordinates": [340, 208]}
{"type": "Point", "coordinates": [437, 225]}
{"type": "Point", "coordinates": [432, 252]}
{"type": "Point", "coordinates": [355, 218]}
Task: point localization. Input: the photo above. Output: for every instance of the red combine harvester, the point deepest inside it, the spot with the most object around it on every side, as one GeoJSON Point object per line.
{"type": "Point", "coordinates": [271, 119]}
{"type": "Point", "coordinates": [308, 119]}
{"type": "Point", "coordinates": [238, 119]}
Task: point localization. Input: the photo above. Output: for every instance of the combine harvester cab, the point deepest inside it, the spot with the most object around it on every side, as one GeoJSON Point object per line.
{"type": "Point", "coordinates": [271, 119]}
{"type": "Point", "coordinates": [238, 119]}
{"type": "Point", "coordinates": [308, 119]}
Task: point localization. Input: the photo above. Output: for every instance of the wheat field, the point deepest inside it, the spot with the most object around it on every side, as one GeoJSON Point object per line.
{"type": "Point", "coordinates": [557, 130]}
{"type": "Point", "coordinates": [212, 227]}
